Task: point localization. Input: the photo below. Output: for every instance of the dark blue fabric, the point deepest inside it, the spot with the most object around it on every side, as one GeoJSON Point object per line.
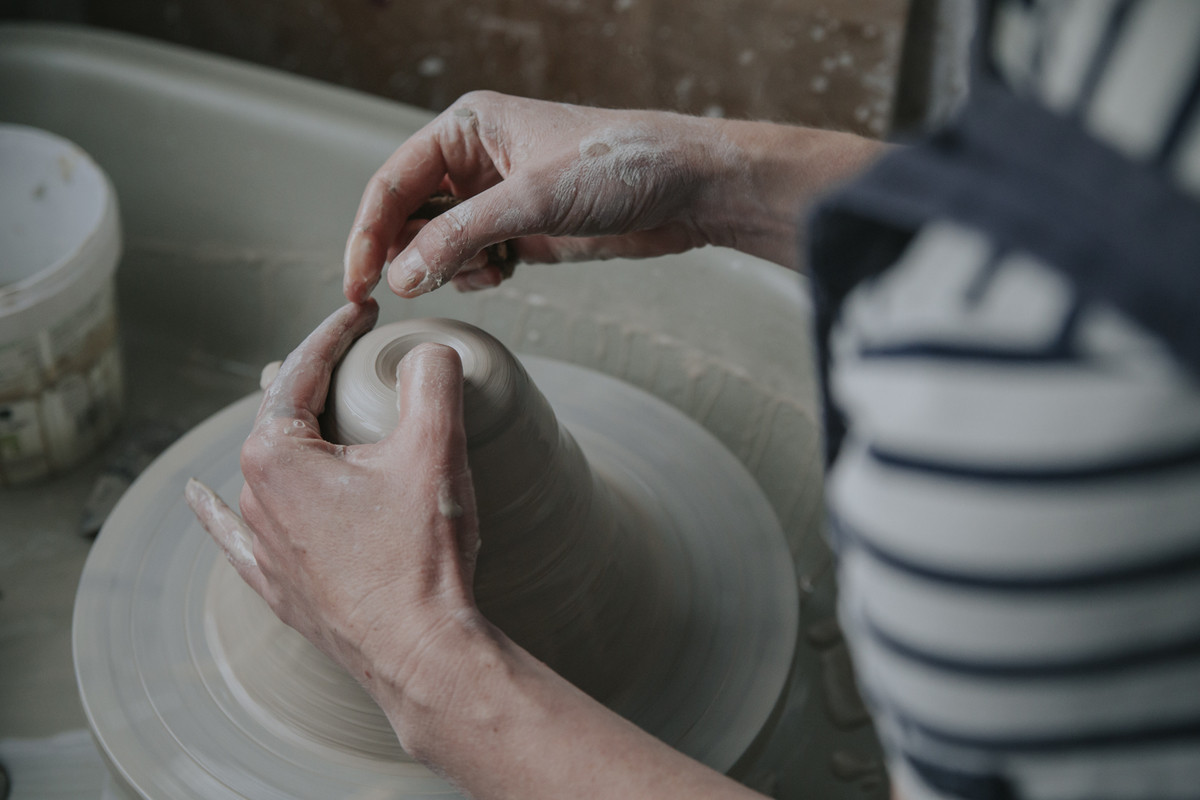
{"type": "Point", "coordinates": [1034, 182]}
{"type": "Point", "coordinates": [961, 784]}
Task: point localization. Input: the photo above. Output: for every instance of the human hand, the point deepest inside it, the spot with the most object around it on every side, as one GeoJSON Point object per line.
{"type": "Point", "coordinates": [367, 550]}
{"type": "Point", "coordinates": [565, 182]}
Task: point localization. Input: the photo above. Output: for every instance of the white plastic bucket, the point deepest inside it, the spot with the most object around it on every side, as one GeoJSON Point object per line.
{"type": "Point", "coordinates": [60, 365]}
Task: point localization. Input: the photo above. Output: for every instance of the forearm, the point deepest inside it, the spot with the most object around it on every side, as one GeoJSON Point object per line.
{"type": "Point", "coordinates": [499, 724]}
{"type": "Point", "coordinates": [769, 175]}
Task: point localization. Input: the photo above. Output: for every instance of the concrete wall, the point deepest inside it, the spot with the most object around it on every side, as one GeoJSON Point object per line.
{"type": "Point", "coordinates": [822, 62]}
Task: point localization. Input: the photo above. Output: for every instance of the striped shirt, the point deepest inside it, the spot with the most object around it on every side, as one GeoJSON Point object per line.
{"type": "Point", "coordinates": [1013, 387]}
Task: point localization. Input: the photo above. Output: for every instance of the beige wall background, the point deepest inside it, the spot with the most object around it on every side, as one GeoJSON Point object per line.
{"type": "Point", "coordinates": [831, 63]}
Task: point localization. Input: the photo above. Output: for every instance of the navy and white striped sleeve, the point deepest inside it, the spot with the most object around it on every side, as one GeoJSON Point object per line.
{"type": "Point", "coordinates": [1016, 509]}
{"type": "Point", "coordinates": [1015, 497]}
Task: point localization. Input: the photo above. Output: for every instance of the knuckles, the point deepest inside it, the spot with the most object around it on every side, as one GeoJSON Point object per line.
{"type": "Point", "coordinates": [474, 100]}
{"type": "Point", "coordinates": [386, 188]}
{"type": "Point", "coordinates": [260, 453]}
{"type": "Point", "coordinates": [256, 458]}
{"type": "Point", "coordinates": [275, 439]}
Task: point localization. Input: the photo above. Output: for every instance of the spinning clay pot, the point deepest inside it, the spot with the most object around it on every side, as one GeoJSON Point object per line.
{"type": "Point", "coordinates": [621, 544]}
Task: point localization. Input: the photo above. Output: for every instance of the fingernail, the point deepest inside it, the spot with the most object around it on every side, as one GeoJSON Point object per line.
{"type": "Point", "coordinates": [407, 273]}
{"type": "Point", "coordinates": [220, 521]}
{"type": "Point", "coordinates": [358, 250]}
{"type": "Point", "coordinates": [193, 492]}
{"type": "Point", "coordinates": [198, 495]}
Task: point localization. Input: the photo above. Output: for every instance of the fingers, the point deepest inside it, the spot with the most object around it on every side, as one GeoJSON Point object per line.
{"type": "Point", "coordinates": [397, 189]}
{"type": "Point", "coordinates": [451, 241]}
{"type": "Point", "coordinates": [299, 389]}
{"type": "Point", "coordinates": [429, 389]}
{"type": "Point", "coordinates": [429, 383]}
{"type": "Point", "coordinates": [410, 231]}
{"type": "Point", "coordinates": [447, 155]}
{"type": "Point", "coordinates": [411, 228]}
{"type": "Point", "coordinates": [230, 531]}
{"type": "Point", "coordinates": [429, 392]}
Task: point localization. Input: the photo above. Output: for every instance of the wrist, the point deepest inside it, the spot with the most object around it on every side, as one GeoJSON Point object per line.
{"type": "Point", "coordinates": [767, 176]}
{"type": "Point", "coordinates": [426, 690]}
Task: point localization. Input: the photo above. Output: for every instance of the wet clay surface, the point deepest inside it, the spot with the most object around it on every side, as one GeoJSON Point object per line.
{"type": "Point", "coordinates": [214, 667]}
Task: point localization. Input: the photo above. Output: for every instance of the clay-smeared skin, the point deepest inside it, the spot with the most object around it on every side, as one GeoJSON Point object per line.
{"type": "Point", "coordinates": [232, 534]}
{"type": "Point", "coordinates": [293, 477]}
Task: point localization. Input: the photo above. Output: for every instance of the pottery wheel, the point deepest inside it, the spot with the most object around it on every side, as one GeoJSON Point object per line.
{"type": "Point", "coordinates": [181, 707]}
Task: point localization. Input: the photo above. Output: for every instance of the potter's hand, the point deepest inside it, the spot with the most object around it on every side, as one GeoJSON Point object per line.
{"type": "Point", "coordinates": [369, 552]}
{"type": "Point", "coordinates": [365, 549]}
{"type": "Point", "coordinates": [609, 182]}
{"type": "Point", "coordinates": [570, 183]}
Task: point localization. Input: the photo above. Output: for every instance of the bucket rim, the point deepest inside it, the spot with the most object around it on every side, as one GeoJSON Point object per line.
{"type": "Point", "coordinates": [91, 247]}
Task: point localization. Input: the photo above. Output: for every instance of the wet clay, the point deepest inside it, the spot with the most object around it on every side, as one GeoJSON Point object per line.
{"type": "Point", "coordinates": [623, 545]}
{"type": "Point", "coordinates": [564, 569]}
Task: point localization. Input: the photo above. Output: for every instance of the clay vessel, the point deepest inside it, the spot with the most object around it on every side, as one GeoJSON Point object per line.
{"type": "Point", "coordinates": [565, 567]}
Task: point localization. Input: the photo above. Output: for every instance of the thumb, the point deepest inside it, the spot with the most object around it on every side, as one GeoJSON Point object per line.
{"type": "Point", "coordinates": [444, 245]}
{"type": "Point", "coordinates": [429, 402]}
{"type": "Point", "coordinates": [431, 431]}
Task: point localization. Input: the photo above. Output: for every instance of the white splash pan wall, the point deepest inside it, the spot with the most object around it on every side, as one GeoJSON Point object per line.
{"type": "Point", "coordinates": [237, 186]}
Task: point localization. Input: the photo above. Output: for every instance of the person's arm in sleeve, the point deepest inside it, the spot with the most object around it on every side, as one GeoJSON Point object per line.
{"type": "Point", "coordinates": [570, 183]}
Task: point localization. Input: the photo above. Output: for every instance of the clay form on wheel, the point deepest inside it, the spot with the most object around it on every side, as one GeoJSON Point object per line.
{"type": "Point", "coordinates": [567, 568]}
{"type": "Point", "coordinates": [625, 546]}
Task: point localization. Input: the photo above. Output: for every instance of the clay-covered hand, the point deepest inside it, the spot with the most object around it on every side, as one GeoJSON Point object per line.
{"type": "Point", "coordinates": [367, 550]}
{"type": "Point", "coordinates": [567, 182]}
